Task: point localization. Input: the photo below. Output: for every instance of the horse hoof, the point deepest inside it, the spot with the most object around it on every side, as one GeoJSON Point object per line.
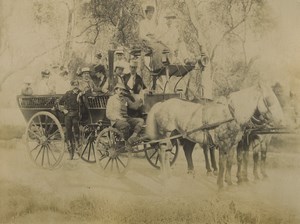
{"type": "Point", "coordinates": [191, 172]}
{"type": "Point", "coordinates": [216, 172]}
{"type": "Point", "coordinates": [209, 173]}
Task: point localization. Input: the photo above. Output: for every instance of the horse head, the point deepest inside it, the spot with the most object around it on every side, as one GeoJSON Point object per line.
{"type": "Point", "coordinates": [269, 106]}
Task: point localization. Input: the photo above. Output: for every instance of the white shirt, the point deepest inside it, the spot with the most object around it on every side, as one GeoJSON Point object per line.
{"type": "Point", "coordinates": [44, 87]}
{"type": "Point", "coordinates": [124, 64]}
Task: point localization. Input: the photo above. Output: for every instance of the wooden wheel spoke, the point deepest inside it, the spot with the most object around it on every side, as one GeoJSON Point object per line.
{"type": "Point", "coordinates": [156, 161]}
{"type": "Point", "coordinates": [40, 122]}
{"type": "Point", "coordinates": [48, 128]}
{"type": "Point", "coordinates": [39, 153]}
{"type": "Point", "coordinates": [48, 158]}
{"type": "Point", "coordinates": [32, 132]}
{"type": "Point", "coordinates": [35, 148]}
{"type": "Point", "coordinates": [43, 155]}
{"type": "Point", "coordinates": [107, 163]}
{"type": "Point", "coordinates": [112, 165]}
{"type": "Point", "coordinates": [89, 151]}
{"type": "Point", "coordinates": [83, 151]}
{"type": "Point", "coordinates": [52, 153]}
{"type": "Point", "coordinates": [37, 128]}
{"type": "Point", "coordinates": [121, 162]}
{"type": "Point", "coordinates": [117, 165]}
{"type": "Point", "coordinates": [173, 153]}
{"type": "Point", "coordinates": [93, 150]}
{"type": "Point", "coordinates": [153, 154]}
{"type": "Point", "coordinates": [54, 133]}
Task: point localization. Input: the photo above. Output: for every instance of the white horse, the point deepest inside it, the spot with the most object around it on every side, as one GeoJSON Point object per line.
{"type": "Point", "coordinates": [259, 144]}
{"type": "Point", "coordinates": [184, 116]}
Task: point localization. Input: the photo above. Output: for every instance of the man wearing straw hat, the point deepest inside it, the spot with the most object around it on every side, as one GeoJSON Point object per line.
{"type": "Point", "coordinates": [117, 113]}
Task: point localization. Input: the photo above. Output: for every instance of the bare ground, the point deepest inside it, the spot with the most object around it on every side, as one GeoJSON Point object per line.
{"type": "Point", "coordinates": [77, 193]}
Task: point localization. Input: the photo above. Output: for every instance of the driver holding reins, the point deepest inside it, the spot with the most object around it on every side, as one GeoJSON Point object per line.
{"type": "Point", "coordinates": [117, 113]}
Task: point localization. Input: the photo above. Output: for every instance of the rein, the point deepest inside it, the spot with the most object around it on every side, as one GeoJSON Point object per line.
{"type": "Point", "coordinates": [203, 127]}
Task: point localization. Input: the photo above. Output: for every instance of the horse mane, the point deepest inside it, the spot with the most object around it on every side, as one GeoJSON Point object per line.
{"type": "Point", "coordinates": [244, 103]}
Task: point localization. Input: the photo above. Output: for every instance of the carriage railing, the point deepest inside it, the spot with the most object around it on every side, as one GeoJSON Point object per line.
{"type": "Point", "coordinates": [97, 102]}
{"type": "Point", "coordinates": [48, 102]}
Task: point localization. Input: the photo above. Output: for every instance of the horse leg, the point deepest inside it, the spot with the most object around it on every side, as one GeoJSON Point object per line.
{"type": "Point", "coordinates": [207, 164]}
{"type": "Point", "coordinates": [263, 161]}
{"type": "Point", "coordinates": [213, 160]}
{"type": "Point", "coordinates": [162, 159]}
{"type": "Point", "coordinates": [188, 147]}
{"type": "Point", "coordinates": [255, 165]}
{"type": "Point", "coordinates": [245, 165]}
{"type": "Point", "coordinates": [239, 157]}
{"type": "Point", "coordinates": [222, 161]}
{"type": "Point", "coordinates": [228, 166]}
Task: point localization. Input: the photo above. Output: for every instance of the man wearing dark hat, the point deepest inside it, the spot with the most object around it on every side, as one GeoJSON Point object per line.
{"type": "Point", "coordinates": [148, 26]}
{"type": "Point", "coordinates": [70, 101]}
{"type": "Point", "coordinates": [117, 113]}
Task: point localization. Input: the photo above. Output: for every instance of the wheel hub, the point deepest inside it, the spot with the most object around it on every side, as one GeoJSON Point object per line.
{"type": "Point", "coordinates": [112, 153]}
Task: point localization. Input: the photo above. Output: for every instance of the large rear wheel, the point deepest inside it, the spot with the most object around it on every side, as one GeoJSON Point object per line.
{"type": "Point", "coordinates": [112, 152]}
{"type": "Point", "coordinates": [45, 140]}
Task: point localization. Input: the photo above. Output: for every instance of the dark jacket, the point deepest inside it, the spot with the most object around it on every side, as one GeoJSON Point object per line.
{"type": "Point", "coordinates": [138, 84]}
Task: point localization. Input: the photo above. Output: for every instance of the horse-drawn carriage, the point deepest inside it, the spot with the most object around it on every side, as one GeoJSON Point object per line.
{"type": "Point", "coordinates": [101, 143]}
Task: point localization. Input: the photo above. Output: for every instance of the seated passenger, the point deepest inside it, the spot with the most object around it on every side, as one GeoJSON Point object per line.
{"type": "Point", "coordinates": [27, 89]}
{"type": "Point", "coordinates": [45, 86]}
{"type": "Point", "coordinates": [120, 60]}
{"type": "Point", "coordinates": [116, 112]}
{"type": "Point", "coordinates": [133, 82]}
{"type": "Point", "coordinates": [148, 32]}
{"type": "Point", "coordinates": [118, 76]}
{"type": "Point", "coordinates": [62, 82]}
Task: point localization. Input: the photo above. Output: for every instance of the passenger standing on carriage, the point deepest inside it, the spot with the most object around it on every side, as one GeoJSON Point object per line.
{"type": "Point", "coordinates": [120, 60]}
{"type": "Point", "coordinates": [118, 76]}
{"type": "Point", "coordinates": [86, 84]}
{"type": "Point", "coordinates": [133, 82]}
{"type": "Point", "coordinates": [117, 113]}
{"type": "Point", "coordinates": [71, 103]}
{"type": "Point", "coordinates": [45, 86]}
{"type": "Point", "coordinates": [148, 33]}
{"type": "Point", "coordinates": [99, 75]}
{"type": "Point", "coordinates": [63, 81]}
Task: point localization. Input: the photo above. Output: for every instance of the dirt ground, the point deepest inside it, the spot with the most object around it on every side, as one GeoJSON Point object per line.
{"type": "Point", "coordinates": [77, 193]}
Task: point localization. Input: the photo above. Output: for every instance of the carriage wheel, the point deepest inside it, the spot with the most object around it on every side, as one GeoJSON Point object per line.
{"type": "Point", "coordinates": [151, 153]}
{"type": "Point", "coordinates": [87, 153]}
{"type": "Point", "coordinates": [112, 155]}
{"type": "Point", "coordinates": [45, 140]}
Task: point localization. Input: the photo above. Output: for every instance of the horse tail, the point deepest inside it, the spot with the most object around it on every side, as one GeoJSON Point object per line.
{"type": "Point", "coordinates": [152, 126]}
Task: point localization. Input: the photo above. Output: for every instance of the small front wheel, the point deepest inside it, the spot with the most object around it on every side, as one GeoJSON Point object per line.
{"type": "Point", "coordinates": [152, 155]}
{"type": "Point", "coordinates": [112, 152]}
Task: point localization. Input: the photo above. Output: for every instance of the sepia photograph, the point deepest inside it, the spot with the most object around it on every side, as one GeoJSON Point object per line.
{"type": "Point", "coordinates": [149, 111]}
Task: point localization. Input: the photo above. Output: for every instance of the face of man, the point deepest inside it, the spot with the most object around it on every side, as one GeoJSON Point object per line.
{"type": "Point", "coordinates": [133, 69]}
{"type": "Point", "coordinates": [149, 14]}
{"type": "Point", "coordinates": [119, 92]}
{"type": "Point", "coordinates": [119, 70]}
{"type": "Point", "coordinates": [119, 57]}
{"type": "Point", "coordinates": [85, 75]}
